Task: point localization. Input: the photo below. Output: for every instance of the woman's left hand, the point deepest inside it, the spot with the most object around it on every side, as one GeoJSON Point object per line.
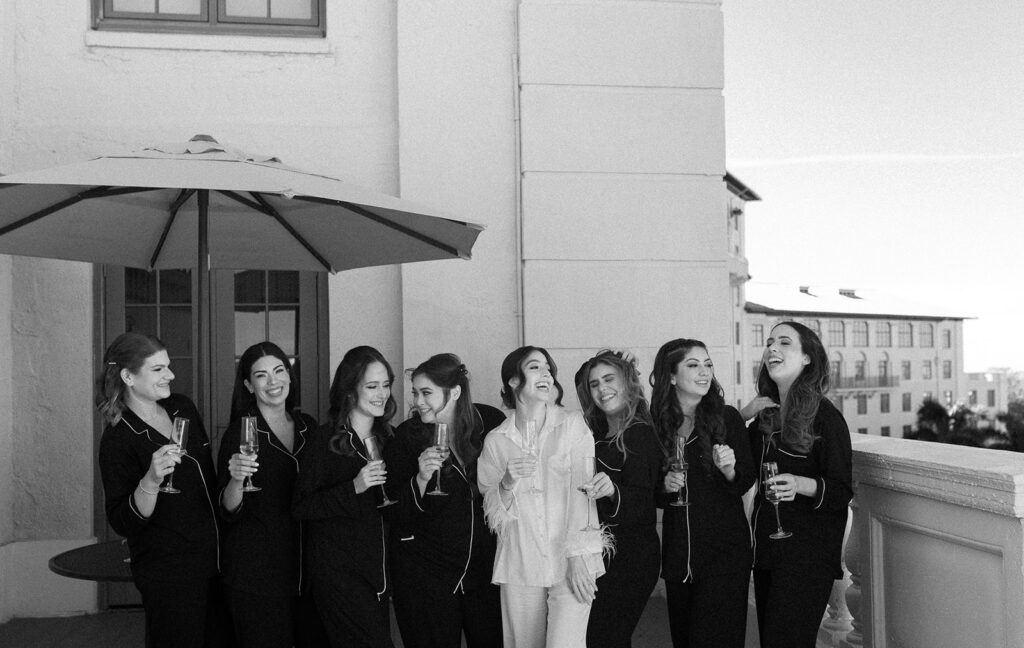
{"type": "Point", "coordinates": [581, 581]}
{"type": "Point", "coordinates": [600, 486]}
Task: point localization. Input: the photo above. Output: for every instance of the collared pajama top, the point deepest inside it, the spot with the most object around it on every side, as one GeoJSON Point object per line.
{"type": "Point", "coordinates": [538, 531]}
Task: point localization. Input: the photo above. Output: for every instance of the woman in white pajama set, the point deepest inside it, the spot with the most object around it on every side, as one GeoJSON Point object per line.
{"type": "Point", "coordinates": [547, 563]}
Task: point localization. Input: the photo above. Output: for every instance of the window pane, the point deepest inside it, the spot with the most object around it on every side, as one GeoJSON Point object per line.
{"type": "Point", "coordinates": [284, 328]}
{"type": "Point", "coordinates": [246, 8]}
{"type": "Point", "coordinates": [249, 288]}
{"type": "Point", "coordinates": [292, 9]}
{"type": "Point", "coordinates": [137, 6]}
{"type": "Point", "coordinates": [296, 386]}
{"type": "Point", "coordinates": [284, 287]}
{"type": "Point", "coordinates": [250, 327]}
{"type": "Point", "coordinates": [182, 368]}
{"type": "Point", "coordinates": [176, 329]}
{"type": "Point", "coordinates": [175, 286]}
{"type": "Point", "coordinates": [139, 286]}
{"type": "Point", "coordinates": [187, 7]}
{"type": "Point", "coordinates": [140, 319]}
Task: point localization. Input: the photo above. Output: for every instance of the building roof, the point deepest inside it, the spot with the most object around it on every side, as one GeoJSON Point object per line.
{"type": "Point", "coordinates": [740, 190]}
{"type": "Point", "coordinates": [778, 299]}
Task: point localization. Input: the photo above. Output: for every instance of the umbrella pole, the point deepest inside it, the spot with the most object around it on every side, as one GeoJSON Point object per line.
{"type": "Point", "coordinates": [203, 268]}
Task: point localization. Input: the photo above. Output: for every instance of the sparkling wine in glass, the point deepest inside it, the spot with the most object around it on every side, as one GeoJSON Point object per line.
{"type": "Point", "coordinates": [373, 453]}
{"type": "Point", "coordinates": [679, 465]}
{"type": "Point", "coordinates": [531, 445]}
{"type": "Point", "coordinates": [585, 471]}
{"type": "Point", "coordinates": [179, 437]}
{"type": "Point", "coordinates": [769, 470]}
{"type": "Point", "coordinates": [249, 447]}
{"type": "Point", "coordinates": [442, 448]}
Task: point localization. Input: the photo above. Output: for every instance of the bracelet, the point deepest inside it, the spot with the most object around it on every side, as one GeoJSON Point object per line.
{"type": "Point", "coordinates": [143, 489]}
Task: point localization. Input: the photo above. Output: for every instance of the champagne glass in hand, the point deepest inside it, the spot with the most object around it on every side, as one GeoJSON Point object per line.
{"type": "Point", "coordinates": [585, 469]}
{"type": "Point", "coordinates": [179, 437]}
{"type": "Point", "coordinates": [441, 447]}
{"type": "Point", "coordinates": [373, 453]}
{"type": "Point", "coordinates": [679, 465]}
{"type": "Point", "coordinates": [531, 448]}
{"type": "Point", "coordinates": [769, 470]}
{"type": "Point", "coordinates": [249, 447]}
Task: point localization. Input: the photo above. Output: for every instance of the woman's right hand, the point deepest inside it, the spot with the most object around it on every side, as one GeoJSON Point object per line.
{"type": "Point", "coordinates": [240, 466]}
{"type": "Point", "coordinates": [674, 481]}
{"type": "Point", "coordinates": [521, 467]}
{"type": "Point", "coordinates": [372, 474]}
{"type": "Point", "coordinates": [162, 464]}
{"type": "Point", "coordinates": [754, 407]}
{"type": "Point", "coordinates": [430, 462]}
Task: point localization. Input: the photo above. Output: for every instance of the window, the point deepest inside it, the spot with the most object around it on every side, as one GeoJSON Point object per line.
{"type": "Point", "coordinates": [883, 373]}
{"type": "Point", "coordinates": [836, 333]}
{"type": "Point", "coordinates": [737, 337]}
{"type": "Point", "coordinates": [883, 403]}
{"type": "Point", "coordinates": [883, 334]}
{"type": "Point", "coordinates": [860, 334]}
{"type": "Point", "coordinates": [862, 404]}
{"type": "Point", "coordinates": [927, 396]}
{"type": "Point", "coordinates": [885, 430]}
{"type": "Point", "coordinates": [814, 325]}
{"type": "Point", "coordinates": [926, 370]}
{"type": "Point", "coordinates": [837, 370]}
{"type": "Point", "coordinates": [927, 335]}
{"type": "Point", "coordinates": [947, 339]}
{"type": "Point", "coordinates": [972, 397]}
{"type": "Point", "coordinates": [905, 369]}
{"type": "Point", "coordinates": [991, 398]}
{"type": "Point", "coordinates": [907, 429]}
{"type": "Point", "coordinates": [860, 369]}
{"type": "Point", "coordinates": [862, 430]}
{"type": "Point", "coordinates": [947, 398]}
{"type": "Point", "coordinates": [947, 369]}
{"type": "Point", "coordinates": [906, 402]}
{"type": "Point", "coordinates": [905, 334]}
{"type": "Point", "coordinates": [739, 373]}
{"type": "Point", "coordinates": [757, 335]}
{"type": "Point", "coordinates": [254, 17]}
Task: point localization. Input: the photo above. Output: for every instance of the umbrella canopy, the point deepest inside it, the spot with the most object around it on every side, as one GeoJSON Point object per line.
{"type": "Point", "coordinates": [171, 206]}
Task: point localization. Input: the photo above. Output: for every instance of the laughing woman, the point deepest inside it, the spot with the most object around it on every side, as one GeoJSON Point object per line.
{"type": "Point", "coordinates": [262, 542]}
{"type": "Point", "coordinates": [629, 453]}
{"type": "Point", "coordinates": [809, 440]}
{"type": "Point", "coordinates": [337, 493]}
{"type": "Point", "coordinates": [443, 551]}
{"type": "Point", "coordinates": [546, 564]}
{"type": "Point", "coordinates": [172, 537]}
{"type": "Point", "coordinates": [706, 552]}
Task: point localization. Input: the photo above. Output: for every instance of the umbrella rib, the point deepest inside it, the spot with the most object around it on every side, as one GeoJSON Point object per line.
{"type": "Point", "coordinates": [183, 195]}
{"type": "Point", "coordinates": [260, 204]}
{"type": "Point", "coordinates": [95, 192]}
{"type": "Point", "coordinates": [369, 215]}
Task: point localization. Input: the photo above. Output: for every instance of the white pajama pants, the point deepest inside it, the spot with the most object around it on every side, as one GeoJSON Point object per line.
{"type": "Point", "coordinates": [543, 617]}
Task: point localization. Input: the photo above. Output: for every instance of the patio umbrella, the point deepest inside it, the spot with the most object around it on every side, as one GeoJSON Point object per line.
{"type": "Point", "coordinates": [202, 205]}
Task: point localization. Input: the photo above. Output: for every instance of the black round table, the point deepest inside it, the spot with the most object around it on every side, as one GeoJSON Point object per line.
{"type": "Point", "coordinates": [105, 561]}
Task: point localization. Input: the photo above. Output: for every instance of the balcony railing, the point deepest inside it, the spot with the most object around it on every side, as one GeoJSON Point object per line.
{"type": "Point", "coordinates": [864, 382]}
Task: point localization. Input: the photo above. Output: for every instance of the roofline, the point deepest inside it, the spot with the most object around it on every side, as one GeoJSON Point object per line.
{"type": "Point", "coordinates": [754, 307]}
{"type": "Point", "coordinates": [740, 190]}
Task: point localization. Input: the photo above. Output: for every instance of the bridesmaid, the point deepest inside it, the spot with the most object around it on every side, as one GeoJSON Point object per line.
{"type": "Point", "coordinates": [628, 451]}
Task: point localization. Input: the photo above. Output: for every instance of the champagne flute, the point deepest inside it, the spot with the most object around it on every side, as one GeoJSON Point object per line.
{"type": "Point", "coordinates": [769, 470]}
{"type": "Point", "coordinates": [585, 469]}
{"type": "Point", "coordinates": [530, 446]}
{"type": "Point", "coordinates": [249, 446]}
{"type": "Point", "coordinates": [179, 437]}
{"type": "Point", "coordinates": [679, 465]}
{"type": "Point", "coordinates": [441, 447]}
{"type": "Point", "coordinates": [373, 453]}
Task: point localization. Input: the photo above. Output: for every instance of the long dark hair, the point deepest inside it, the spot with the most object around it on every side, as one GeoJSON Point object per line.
{"type": "Point", "coordinates": [447, 372]}
{"type": "Point", "coordinates": [344, 395]}
{"type": "Point", "coordinates": [637, 409]}
{"type": "Point", "coordinates": [512, 367]}
{"type": "Point", "coordinates": [127, 351]}
{"type": "Point", "coordinates": [804, 395]}
{"type": "Point", "coordinates": [242, 400]}
{"type": "Point", "coordinates": [708, 424]}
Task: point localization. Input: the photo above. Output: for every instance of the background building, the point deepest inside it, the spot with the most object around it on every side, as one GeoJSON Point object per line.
{"type": "Point", "coordinates": [888, 354]}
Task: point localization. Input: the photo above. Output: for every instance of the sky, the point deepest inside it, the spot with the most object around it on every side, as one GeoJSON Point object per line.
{"type": "Point", "coordinates": [886, 140]}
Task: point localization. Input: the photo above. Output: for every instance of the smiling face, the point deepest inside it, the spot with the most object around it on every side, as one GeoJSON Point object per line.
{"type": "Point", "coordinates": [784, 358]}
{"type": "Point", "coordinates": [607, 388]}
{"type": "Point", "coordinates": [429, 400]}
{"type": "Point", "coordinates": [373, 391]}
{"type": "Point", "coordinates": [692, 376]}
{"type": "Point", "coordinates": [152, 382]}
{"type": "Point", "coordinates": [538, 385]}
{"type": "Point", "coordinates": [269, 381]}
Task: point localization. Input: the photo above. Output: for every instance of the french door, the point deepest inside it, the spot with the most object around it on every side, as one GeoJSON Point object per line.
{"type": "Point", "coordinates": [288, 308]}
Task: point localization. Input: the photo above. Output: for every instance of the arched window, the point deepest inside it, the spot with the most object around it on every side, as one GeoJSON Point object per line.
{"type": "Point", "coordinates": [836, 333]}
{"type": "Point", "coordinates": [860, 333]}
{"type": "Point", "coordinates": [906, 334]}
{"type": "Point", "coordinates": [927, 335]}
{"type": "Point", "coordinates": [883, 334]}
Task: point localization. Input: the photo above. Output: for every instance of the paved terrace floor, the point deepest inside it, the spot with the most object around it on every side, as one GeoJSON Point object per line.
{"type": "Point", "coordinates": [124, 629]}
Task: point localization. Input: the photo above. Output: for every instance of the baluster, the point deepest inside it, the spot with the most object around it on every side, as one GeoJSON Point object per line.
{"type": "Point", "coordinates": [854, 563]}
